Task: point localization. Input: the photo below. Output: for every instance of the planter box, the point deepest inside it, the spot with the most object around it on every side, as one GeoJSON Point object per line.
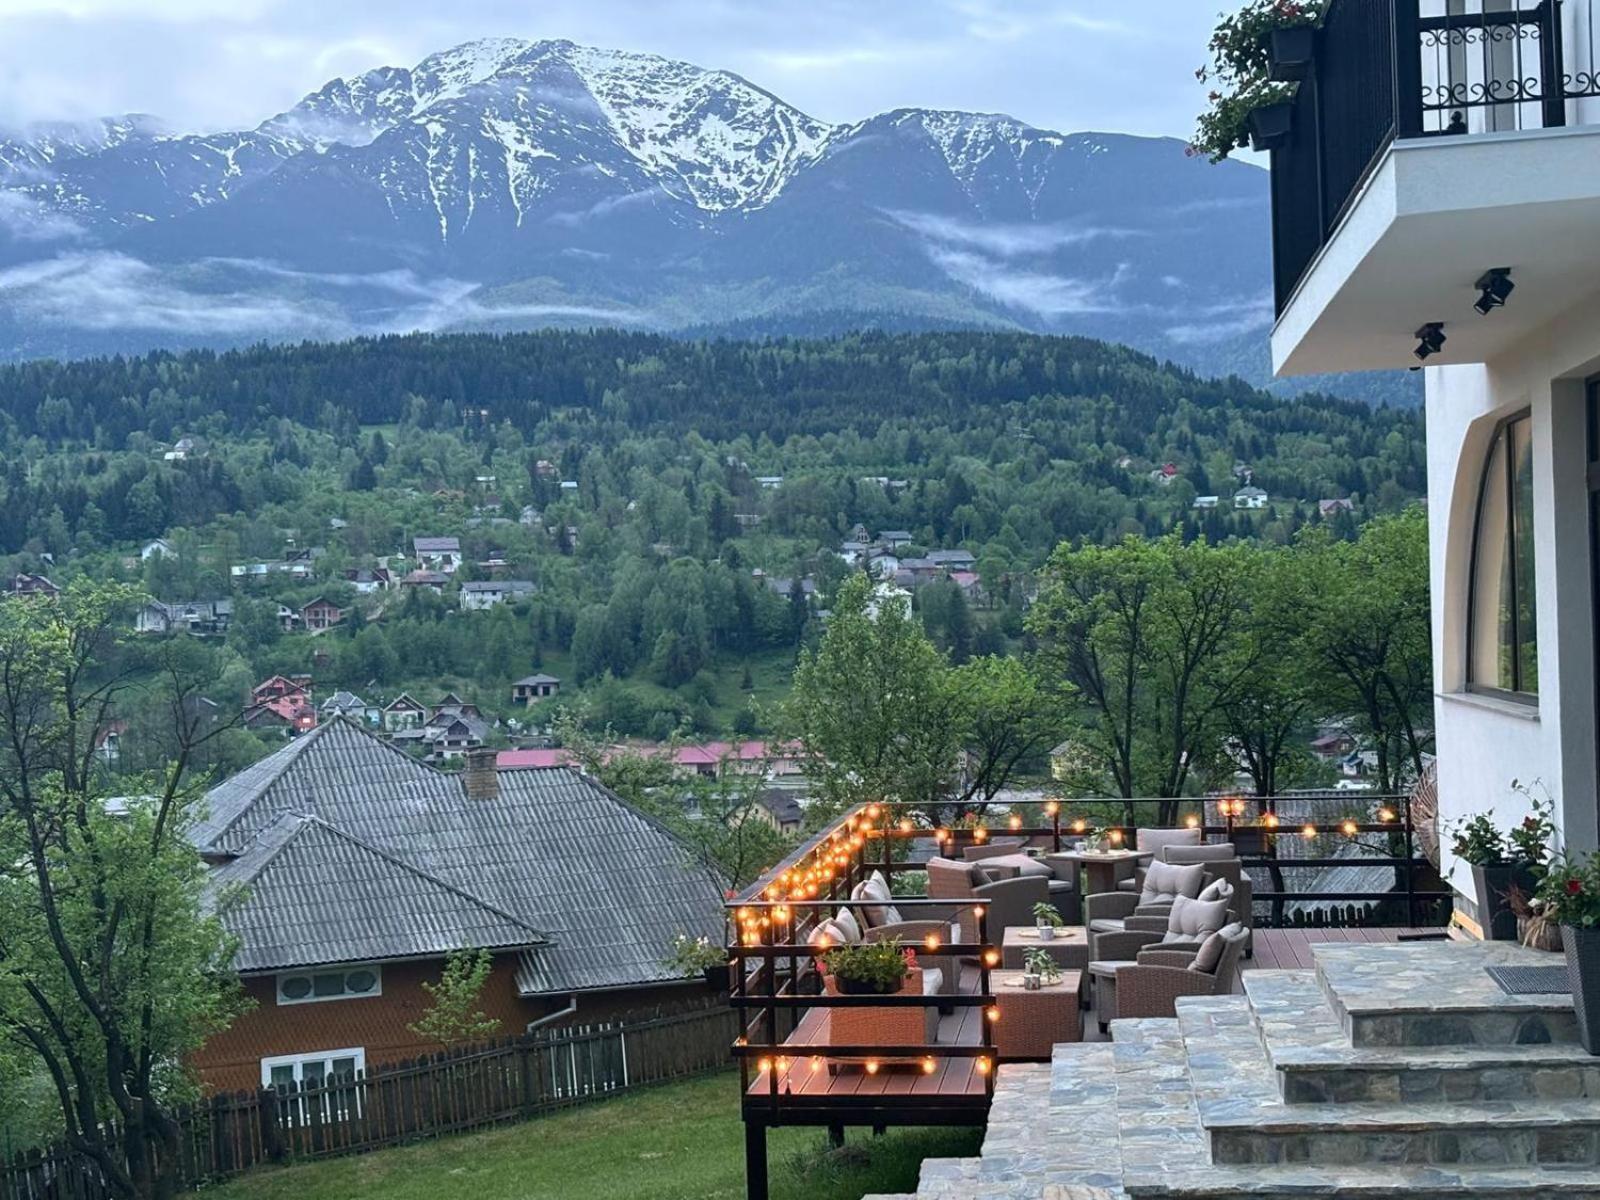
{"type": "Point", "coordinates": [1290, 53]}
{"type": "Point", "coordinates": [1498, 922]}
{"type": "Point", "coordinates": [870, 1026]}
{"type": "Point", "coordinates": [1583, 972]}
{"type": "Point", "coordinates": [1270, 126]}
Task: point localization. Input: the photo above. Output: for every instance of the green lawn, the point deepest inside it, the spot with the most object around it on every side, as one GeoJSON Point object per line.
{"type": "Point", "coordinates": [679, 1142]}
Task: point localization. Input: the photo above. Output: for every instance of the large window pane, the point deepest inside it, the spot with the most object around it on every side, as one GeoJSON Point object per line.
{"type": "Point", "coordinates": [1503, 625]}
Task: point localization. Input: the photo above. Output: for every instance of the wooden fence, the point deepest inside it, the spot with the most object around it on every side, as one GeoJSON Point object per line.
{"type": "Point", "coordinates": [387, 1106]}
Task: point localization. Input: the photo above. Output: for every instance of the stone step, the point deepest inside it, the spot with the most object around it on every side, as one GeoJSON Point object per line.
{"type": "Point", "coordinates": [1158, 1123]}
{"type": "Point", "coordinates": [1438, 994]}
{"type": "Point", "coordinates": [1315, 1063]}
{"type": "Point", "coordinates": [1367, 1183]}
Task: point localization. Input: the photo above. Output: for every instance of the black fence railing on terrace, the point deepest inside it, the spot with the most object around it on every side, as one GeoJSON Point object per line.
{"type": "Point", "coordinates": [1399, 69]}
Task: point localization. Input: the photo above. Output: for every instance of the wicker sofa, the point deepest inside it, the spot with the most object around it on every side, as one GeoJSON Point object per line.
{"type": "Point", "coordinates": [1151, 985]}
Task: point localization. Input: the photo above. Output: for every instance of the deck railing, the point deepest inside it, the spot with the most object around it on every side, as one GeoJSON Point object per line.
{"type": "Point", "coordinates": [1396, 69]}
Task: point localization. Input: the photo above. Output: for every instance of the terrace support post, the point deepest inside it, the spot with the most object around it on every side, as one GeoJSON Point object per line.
{"type": "Point", "coordinates": [836, 1136]}
{"type": "Point", "coordinates": [1407, 69]}
{"type": "Point", "coordinates": [1411, 868]}
{"type": "Point", "coordinates": [1552, 65]}
{"type": "Point", "coordinates": [755, 1161]}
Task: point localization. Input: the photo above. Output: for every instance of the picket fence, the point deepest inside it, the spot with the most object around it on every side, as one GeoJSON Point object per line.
{"type": "Point", "coordinates": [514, 1080]}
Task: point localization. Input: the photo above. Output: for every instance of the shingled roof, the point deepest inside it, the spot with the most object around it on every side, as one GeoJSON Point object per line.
{"type": "Point", "coordinates": [554, 852]}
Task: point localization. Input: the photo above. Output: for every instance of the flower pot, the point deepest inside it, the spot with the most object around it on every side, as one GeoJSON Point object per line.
{"type": "Point", "coordinates": [857, 987]}
{"type": "Point", "coordinates": [1536, 933]}
{"type": "Point", "coordinates": [1270, 126]}
{"type": "Point", "coordinates": [717, 977]}
{"type": "Point", "coordinates": [1498, 922]}
{"type": "Point", "coordinates": [1290, 52]}
{"type": "Point", "coordinates": [1031, 982]}
{"type": "Point", "coordinates": [1047, 933]}
{"type": "Point", "coordinates": [1582, 946]}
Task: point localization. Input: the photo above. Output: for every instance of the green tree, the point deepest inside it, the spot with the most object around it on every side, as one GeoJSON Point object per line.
{"type": "Point", "coordinates": [456, 1017]}
{"type": "Point", "coordinates": [112, 971]}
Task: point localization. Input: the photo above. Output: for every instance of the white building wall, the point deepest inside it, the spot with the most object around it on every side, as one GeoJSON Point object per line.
{"type": "Point", "coordinates": [1484, 744]}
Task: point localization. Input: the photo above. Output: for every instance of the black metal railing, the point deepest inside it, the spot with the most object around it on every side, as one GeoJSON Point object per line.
{"type": "Point", "coordinates": [1400, 69]}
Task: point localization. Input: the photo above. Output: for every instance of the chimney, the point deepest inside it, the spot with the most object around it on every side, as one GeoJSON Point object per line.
{"type": "Point", "coordinates": [482, 776]}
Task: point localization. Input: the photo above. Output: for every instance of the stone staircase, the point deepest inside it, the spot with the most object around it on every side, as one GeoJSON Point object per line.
{"type": "Point", "coordinates": [1388, 1071]}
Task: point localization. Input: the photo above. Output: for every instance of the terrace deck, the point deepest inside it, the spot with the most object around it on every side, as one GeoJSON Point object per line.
{"type": "Point", "coordinates": [1290, 949]}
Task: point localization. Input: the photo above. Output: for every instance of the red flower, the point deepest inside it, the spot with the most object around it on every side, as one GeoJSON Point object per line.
{"type": "Point", "coordinates": [1574, 887]}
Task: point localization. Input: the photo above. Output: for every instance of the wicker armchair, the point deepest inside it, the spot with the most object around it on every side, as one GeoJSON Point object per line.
{"type": "Point", "coordinates": [1179, 928]}
{"type": "Point", "coordinates": [1010, 901]}
{"type": "Point", "coordinates": [1152, 985]}
{"type": "Point", "coordinates": [1155, 842]}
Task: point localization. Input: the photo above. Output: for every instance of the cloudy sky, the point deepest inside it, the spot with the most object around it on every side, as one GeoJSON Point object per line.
{"type": "Point", "coordinates": [211, 64]}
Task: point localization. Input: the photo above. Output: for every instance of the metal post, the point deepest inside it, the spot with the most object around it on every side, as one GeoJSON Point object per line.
{"type": "Point", "coordinates": [986, 988]}
{"type": "Point", "coordinates": [1055, 828]}
{"type": "Point", "coordinates": [755, 1161]}
{"type": "Point", "coordinates": [1407, 69]}
{"type": "Point", "coordinates": [1552, 64]}
{"type": "Point", "coordinates": [1411, 868]}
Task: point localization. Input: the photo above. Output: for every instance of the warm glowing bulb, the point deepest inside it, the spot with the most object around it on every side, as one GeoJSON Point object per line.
{"type": "Point", "coordinates": [1116, 837]}
{"type": "Point", "coordinates": [823, 941]}
{"type": "Point", "coordinates": [1052, 807]}
{"type": "Point", "coordinates": [929, 1066]}
{"type": "Point", "coordinates": [764, 1065]}
{"type": "Point", "coordinates": [905, 825]}
{"type": "Point", "coordinates": [980, 834]}
{"type": "Point", "coordinates": [1350, 828]}
{"type": "Point", "coordinates": [1309, 831]}
{"type": "Point", "coordinates": [1272, 820]}
{"type": "Point", "coordinates": [983, 1066]}
{"type": "Point", "coordinates": [931, 941]}
{"type": "Point", "coordinates": [1080, 825]}
{"type": "Point", "coordinates": [991, 958]}
{"type": "Point", "coordinates": [1386, 814]}
{"type": "Point", "coordinates": [816, 1063]}
{"type": "Point", "coordinates": [1015, 822]}
{"type": "Point", "coordinates": [940, 835]}
{"type": "Point", "coordinates": [872, 1066]}
{"type": "Point", "coordinates": [993, 1013]}
{"type": "Point", "coordinates": [873, 810]}
{"type": "Point", "coordinates": [1193, 822]}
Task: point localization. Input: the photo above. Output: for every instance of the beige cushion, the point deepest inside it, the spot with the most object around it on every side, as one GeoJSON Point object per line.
{"type": "Point", "coordinates": [1217, 889]}
{"type": "Point", "coordinates": [1163, 882]}
{"type": "Point", "coordinates": [849, 927]}
{"type": "Point", "coordinates": [1192, 919]}
{"type": "Point", "coordinates": [876, 889]}
{"type": "Point", "coordinates": [1157, 840]}
{"type": "Point", "coordinates": [1215, 852]}
{"type": "Point", "coordinates": [826, 929]}
{"type": "Point", "coordinates": [1209, 956]}
{"type": "Point", "coordinates": [1021, 864]}
{"type": "Point", "coordinates": [932, 981]}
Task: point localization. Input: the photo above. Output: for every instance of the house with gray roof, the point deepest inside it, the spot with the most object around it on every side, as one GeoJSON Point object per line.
{"type": "Point", "coordinates": [348, 870]}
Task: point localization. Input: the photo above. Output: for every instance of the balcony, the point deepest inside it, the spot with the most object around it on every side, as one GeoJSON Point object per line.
{"type": "Point", "coordinates": [1432, 141]}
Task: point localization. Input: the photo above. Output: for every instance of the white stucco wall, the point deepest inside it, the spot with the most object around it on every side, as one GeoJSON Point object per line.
{"type": "Point", "coordinates": [1483, 743]}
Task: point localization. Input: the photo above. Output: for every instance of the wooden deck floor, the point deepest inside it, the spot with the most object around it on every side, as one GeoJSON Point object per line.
{"type": "Point", "coordinates": [1290, 949]}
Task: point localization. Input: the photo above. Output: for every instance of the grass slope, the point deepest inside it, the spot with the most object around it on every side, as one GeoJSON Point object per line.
{"type": "Point", "coordinates": [678, 1142]}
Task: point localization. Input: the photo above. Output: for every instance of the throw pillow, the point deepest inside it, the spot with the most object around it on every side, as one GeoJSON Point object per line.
{"type": "Point", "coordinates": [1209, 955]}
{"type": "Point", "coordinates": [1217, 889]}
{"type": "Point", "coordinates": [874, 889]}
{"type": "Point", "coordinates": [1163, 882]}
{"type": "Point", "coordinates": [1018, 864]}
{"type": "Point", "coordinates": [825, 929]}
{"type": "Point", "coordinates": [1215, 852]}
{"type": "Point", "coordinates": [1192, 919]}
{"type": "Point", "coordinates": [848, 926]}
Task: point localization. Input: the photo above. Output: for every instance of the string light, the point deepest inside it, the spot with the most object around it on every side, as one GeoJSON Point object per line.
{"type": "Point", "coordinates": [1080, 825]}
{"type": "Point", "coordinates": [991, 958]}
{"type": "Point", "coordinates": [816, 1064]}
{"type": "Point", "coordinates": [1272, 820]}
{"type": "Point", "coordinates": [983, 1066]}
{"type": "Point", "coordinates": [993, 1013]}
{"type": "Point", "coordinates": [1015, 822]}
{"type": "Point", "coordinates": [1310, 831]}
{"type": "Point", "coordinates": [905, 825]}
{"type": "Point", "coordinates": [980, 834]}
{"type": "Point", "coordinates": [1052, 807]}
{"type": "Point", "coordinates": [1350, 828]}
{"type": "Point", "coordinates": [1193, 822]}
{"type": "Point", "coordinates": [1116, 837]}
{"type": "Point", "coordinates": [764, 1066]}
{"type": "Point", "coordinates": [931, 941]}
{"type": "Point", "coordinates": [872, 1066]}
{"type": "Point", "coordinates": [1386, 814]}
{"type": "Point", "coordinates": [941, 835]}
{"type": "Point", "coordinates": [929, 1066]}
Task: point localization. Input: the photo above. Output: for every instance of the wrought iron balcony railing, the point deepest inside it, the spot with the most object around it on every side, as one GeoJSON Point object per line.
{"type": "Point", "coordinates": [1387, 70]}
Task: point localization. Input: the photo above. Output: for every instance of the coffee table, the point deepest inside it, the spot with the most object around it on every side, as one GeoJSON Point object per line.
{"type": "Point", "coordinates": [1031, 1023]}
{"type": "Point", "coordinates": [1069, 947]}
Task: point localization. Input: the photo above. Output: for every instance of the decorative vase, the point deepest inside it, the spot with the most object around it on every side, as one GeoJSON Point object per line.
{"type": "Point", "coordinates": [1047, 932]}
{"type": "Point", "coordinates": [1582, 945]}
{"type": "Point", "coordinates": [1030, 982]}
{"type": "Point", "coordinates": [1270, 126]}
{"type": "Point", "coordinates": [1536, 933]}
{"type": "Point", "coordinates": [1290, 52]}
{"type": "Point", "coordinates": [1493, 882]}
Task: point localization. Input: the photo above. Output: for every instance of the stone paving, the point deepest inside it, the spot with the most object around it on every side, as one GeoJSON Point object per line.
{"type": "Point", "coordinates": [1264, 1096]}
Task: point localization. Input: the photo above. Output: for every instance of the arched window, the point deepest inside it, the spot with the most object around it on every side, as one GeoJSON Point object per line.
{"type": "Point", "coordinates": [1502, 629]}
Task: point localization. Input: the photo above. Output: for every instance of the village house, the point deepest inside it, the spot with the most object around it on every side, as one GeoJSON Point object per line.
{"type": "Point", "coordinates": [282, 703]}
{"type": "Point", "coordinates": [780, 808]}
{"type": "Point", "coordinates": [477, 596]}
{"type": "Point", "coordinates": [199, 618]}
{"type": "Point", "coordinates": [433, 581]}
{"type": "Point", "coordinates": [442, 554]}
{"type": "Point", "coordinates": [534, 688]}
{"type": "Point", "coordinates": [330, 876]}
{"type": "Point", "coordinates": [893, 539]}
{"type": "Point", "coordinates": [1250, 497]}
{"type": "Point", "coordinates": [33, 585]}
{"type": "Point", "coordinates": [1329, 508]}
{"type": "Point", "coordinates": [953, 560]}
{"type": "Point", "coordinates": [1207, 502]}
{"type": "Point", "coordinates": [1164, 475]}
{"type": "Point", "coordinates": [348, 704]}
{"type": "Point", "coordinates": [403, 713]}
{"type": "Point", "coordinates": [321, 614]}
{"type": "Point", "coordinates": [108, 740]}
{"type": "Point", "coordinates": [156, 548]}
{"type": "Point", "coordinates": [769, 482]}
{"type": "Point", "coordinates": [369, 580]}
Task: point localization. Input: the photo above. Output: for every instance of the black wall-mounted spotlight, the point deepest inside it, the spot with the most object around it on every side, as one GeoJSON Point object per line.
{"type": "Point", "coordinates": [1430, 340]}
{"type": "Point", "coordinates": [1495, 289]}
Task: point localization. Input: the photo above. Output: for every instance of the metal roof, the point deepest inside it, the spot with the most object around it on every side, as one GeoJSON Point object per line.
{"type": "Point", "coordinates": [554, 850]}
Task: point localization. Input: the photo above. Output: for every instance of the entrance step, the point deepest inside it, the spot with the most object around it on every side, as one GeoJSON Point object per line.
{"type": "Point", "coordinates": [1438, 994]}
{"type": "Point", "coordinates": [1385, 1183]}
{"type": "Point", "coordinates": [1315, 1063]}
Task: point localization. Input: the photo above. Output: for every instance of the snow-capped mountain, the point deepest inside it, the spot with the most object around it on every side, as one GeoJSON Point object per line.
{"type": "Point", "coordinates": [510, 183]}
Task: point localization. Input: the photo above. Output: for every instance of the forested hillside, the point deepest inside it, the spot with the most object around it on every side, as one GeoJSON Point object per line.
{"type": "Point", "coordinates": [680, 507]}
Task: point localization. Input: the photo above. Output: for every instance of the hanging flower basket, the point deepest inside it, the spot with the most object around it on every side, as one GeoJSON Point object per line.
{"type": "Point", "coordinates": [1270, 126]}
{"type": "Point", "coordinates": [1290, 52]}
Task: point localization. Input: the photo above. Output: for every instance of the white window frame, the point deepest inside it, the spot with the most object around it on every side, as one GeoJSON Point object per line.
{"type": "Point", "coordinates": [297, 1061]}
{"type": "Point", "coordinates": [297, 1105]}
{"type": "Point", "coordinates": [285, 1001]}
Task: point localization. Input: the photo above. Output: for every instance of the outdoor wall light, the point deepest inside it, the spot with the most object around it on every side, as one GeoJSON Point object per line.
{"type": "Point", "coordinates": [1430, 340]}
{"type": "Point", "coordinates": [1494, 289]}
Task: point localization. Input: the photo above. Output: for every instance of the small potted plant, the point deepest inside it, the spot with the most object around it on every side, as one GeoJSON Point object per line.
{"type": "Point", "coordinates": [1569, 895]}
{"type": "Point", "coordinates": [699, 956]}
{"type": "Point", "coordinates": [1502, 864]}
{"type": "Point", "coordinates": [1047, 920]}
{"type": "Point", "coordinates": [1040, 968]}
{"type": "Point", "coordinates": [867, 969]}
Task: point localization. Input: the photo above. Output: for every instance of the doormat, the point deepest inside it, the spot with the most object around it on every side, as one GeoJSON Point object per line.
{"type": "Point", "coordinates": [1531, 981]}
